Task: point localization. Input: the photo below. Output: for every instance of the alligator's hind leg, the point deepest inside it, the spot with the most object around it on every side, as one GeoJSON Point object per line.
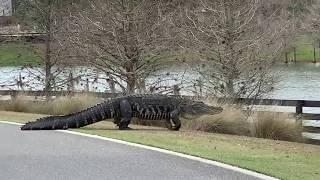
{"type": "Point", "coordinates": [126, 115]}
{"type": "Point", "coordinates": [173, 122]}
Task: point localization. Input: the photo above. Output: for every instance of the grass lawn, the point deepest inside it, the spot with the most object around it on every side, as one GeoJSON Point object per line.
{"type": "Point", "coordinates": [304, 47]}
{"type": "Point", "coordinates": [281, 159]}
{"type": "Point", "coordinates": [16, 54]}
{"type": "Point", "coordinates": [305, 54]}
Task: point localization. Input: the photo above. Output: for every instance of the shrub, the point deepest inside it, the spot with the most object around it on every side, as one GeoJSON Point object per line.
{"type": "Point", "coordinates": [269, 125]}
{"type": "Point", "coordinates": [58, 106]}
{"type": "Point", "coordinates": [230, 121]}
{"type": "Point", "coordinates": [67, 104]}
{"type": "Point", "coordinates": [18, 104]}
{"type": "Point", "coordinates": [278, 126]}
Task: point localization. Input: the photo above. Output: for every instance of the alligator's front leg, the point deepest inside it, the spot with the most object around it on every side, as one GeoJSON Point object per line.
{"type": "Point", "coordinates": [126, 115]}
{"type": "Point", "coordinates": [174, 123]}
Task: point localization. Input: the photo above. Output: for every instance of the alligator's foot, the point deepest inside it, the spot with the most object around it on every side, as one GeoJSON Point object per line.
{"type": "Point", "coordinates": [174, 128]}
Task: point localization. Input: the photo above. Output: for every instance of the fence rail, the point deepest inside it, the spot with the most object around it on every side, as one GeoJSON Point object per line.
{"type": "Point", "coordinates": [26, 37]}
{"type": "Point", "coordinates": [298, 104]}
{"type": "Point", "coordinates": [14, 93]}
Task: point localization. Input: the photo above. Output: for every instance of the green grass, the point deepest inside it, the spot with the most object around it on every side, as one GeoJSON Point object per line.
{"type": "Point", "coordinates": [304, 44]}
{"type": "Point", "coordinates": [17, 54]}
{"type": "Point", "coordinates": [285, 160]}
{"type": "Point", "coordinates": [305, 53]}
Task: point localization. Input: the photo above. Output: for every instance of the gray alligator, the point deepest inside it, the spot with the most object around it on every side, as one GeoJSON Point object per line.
{"type": "Point", "coordinates": [123, 109]}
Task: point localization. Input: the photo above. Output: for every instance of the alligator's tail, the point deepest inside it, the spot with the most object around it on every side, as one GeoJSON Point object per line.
{"type": "Point", "coordinates": [75, 120]}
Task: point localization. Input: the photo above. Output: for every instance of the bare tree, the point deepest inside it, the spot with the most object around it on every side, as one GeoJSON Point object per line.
{"type": "Point", "coordinates": [312, 21]}
{"type": "Point", "coordinates": [235, 42]}
{"type": "Point", "coordinates": [128, 40]}
{"type": "Point", "coordinates": [296, 13]}
{"type": "Point", "coordinates": [47, 17]}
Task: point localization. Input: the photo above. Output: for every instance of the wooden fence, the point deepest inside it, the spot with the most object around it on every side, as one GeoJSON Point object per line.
{"type": "Point", "coordinates": [298, 104]}
{"type": "Point", "coordinates": [14, 93]}
{"type": "Point", "coordinates": [25, 37]}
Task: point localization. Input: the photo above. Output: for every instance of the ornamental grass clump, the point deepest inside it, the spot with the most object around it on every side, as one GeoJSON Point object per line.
{"type": "Point", "coordinates": [17, 104]}
{"type": "Point", "coordinates": [277, 126]}
{"type": "Point", "coordinates": [70, 104]}
{"type": "Point", "coordinates": [230, 121]}
{"type": "Point", "coordinates": [58, 106]}
{"type": "Point", "coordinates": [233, 120]}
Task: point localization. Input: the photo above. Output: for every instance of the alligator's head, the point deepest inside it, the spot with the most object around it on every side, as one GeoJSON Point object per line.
{"type": "Point", "coordinates": [196, 109]}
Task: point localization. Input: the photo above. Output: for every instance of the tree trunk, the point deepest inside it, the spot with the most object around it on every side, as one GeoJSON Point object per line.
{"type": "Point", "coordinates": [141, 86]}
{"type": "Point", "coordinates": [131, 77]}
{"type": "Point", "coordinates": [230, 50]}
{"type": "Point", "coordinates": [112, 84]}
{"type": "Point", "coordinates": [131, 84]}
{"type": "Point", "coordinates": [48, 65]}
{"type": "Point", "coordinates": [230, 88]}
{"type": "Point", "coordinates": [286, 58]}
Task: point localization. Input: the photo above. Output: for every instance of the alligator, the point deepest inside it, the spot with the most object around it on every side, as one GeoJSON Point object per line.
{"type": "Point", "coordinates": [123, 109]}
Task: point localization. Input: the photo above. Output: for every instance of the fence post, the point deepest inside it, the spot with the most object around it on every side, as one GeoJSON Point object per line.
{"type": "Point", "coordinates": [299, 107]}
{"type": "Point", "coordinates": [294, 54]}
{"type": "Point", "coordinates": [13, 94]}
{"type": "Point", "coordinates": [87, 85]}
{"type": "Point", "coordinates": [314, 55]}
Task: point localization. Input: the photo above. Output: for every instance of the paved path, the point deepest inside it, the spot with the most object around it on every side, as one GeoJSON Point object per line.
{"type": "Point", "coordinates": [55, 155]}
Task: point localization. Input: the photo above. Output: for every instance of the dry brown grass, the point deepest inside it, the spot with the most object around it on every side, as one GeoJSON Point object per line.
{"type": "Point", "coordinates": [278, 126]}
{"type": "Point", "coordinates": [66, 105]}
{"type": "Point", "coordinates": [58, 106]}
{"type": "Point", "coordinates": [268, 125]}
{"type": "Point", "coordinates": [230, 121]}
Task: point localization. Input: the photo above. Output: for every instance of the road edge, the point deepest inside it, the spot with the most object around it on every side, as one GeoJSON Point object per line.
{"type": "Point", "coordinates": [194, 158]}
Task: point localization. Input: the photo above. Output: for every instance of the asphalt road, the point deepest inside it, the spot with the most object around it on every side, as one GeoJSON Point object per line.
{"type": "Point", "coordinates": [46, 155]}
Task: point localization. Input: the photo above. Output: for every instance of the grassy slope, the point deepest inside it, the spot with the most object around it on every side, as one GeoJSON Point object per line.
{"type": "Point", "coordinates": [305, 53]}
{"type": "Point", "coordinates": [304, 48]}
{"type": "Point", "coordinates": [15, 54]}
{"type": "Point", "coordinates": [285, 160]}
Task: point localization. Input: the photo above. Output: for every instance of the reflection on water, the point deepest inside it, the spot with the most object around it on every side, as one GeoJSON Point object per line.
{"type": "Point", "coordinates": [88, 78]}
{"type": "Point", "coordinates": [298, 81]}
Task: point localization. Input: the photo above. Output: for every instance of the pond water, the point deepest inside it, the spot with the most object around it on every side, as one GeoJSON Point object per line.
{"type": "Point", "coordinates": [296, 80]}
{"type": "Point", "coordinates": [299, 81]}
